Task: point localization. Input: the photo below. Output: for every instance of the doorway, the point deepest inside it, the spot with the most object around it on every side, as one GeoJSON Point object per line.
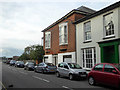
{"type": "Point", "coordinates": [109, 54]}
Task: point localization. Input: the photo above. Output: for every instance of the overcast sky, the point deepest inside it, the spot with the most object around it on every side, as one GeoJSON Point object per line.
{"type": "Point", "coordinates": [21, 22]}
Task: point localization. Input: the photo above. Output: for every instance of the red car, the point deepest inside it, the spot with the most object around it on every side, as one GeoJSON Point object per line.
{"type": "Point", "coordinates": [105, 73]}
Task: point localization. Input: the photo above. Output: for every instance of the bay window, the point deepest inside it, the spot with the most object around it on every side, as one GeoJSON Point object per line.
{"type": "Point", "coordinates": [63, 34]}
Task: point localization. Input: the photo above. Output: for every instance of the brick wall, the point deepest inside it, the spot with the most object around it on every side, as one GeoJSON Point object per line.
{"type": "Point", "coordinates": [55, 47]}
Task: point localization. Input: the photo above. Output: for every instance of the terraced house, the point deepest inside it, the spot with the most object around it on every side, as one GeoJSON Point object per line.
{"type": "Point", "coordinates": [98, 37]}
{"type": "Point", "coordinates": [59, 38]}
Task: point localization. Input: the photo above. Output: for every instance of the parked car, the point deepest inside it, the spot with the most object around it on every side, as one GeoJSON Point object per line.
{"type": "Point", "coordinates": [105, 73]}
{"type": "Point", "coordinates": [4, 61]}
{"type": "Point", "coordinates": [29, 66]}
{"type": "Point", "coordinates": [70, 70]}
{"type": "Point", "coordinates": [12, 62]}
{"type": "Point", "coordinates": [19, 64]}
{"type": "Point", "coordinates": [7, 61]}
{"type": "Point", "coordinates": [45, 68]}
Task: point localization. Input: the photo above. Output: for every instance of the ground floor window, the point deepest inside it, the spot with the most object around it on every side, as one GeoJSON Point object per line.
{"type": "Point", "coordinates": [67, 58]}
{"type": "Point", "coordinates": [89, 57]}
{"type": "Point", "coordinates": [46, 59]}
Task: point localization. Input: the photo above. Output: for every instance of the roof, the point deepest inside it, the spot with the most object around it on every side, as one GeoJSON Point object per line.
{"type": "Point", "coordinates": [86, 9]}
{"type": "Point", "coordinates": [81, 10]}
{"type": "Point", "coordinates": [111, 7]}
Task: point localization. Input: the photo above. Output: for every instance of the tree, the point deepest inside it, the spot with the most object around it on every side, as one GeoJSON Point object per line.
{"type": "Point", "coordinates": [37, 52]}
{"type": "Point", "coordinates": [34, 52]}
{"type": "Point", "coordinates": [24, 56]}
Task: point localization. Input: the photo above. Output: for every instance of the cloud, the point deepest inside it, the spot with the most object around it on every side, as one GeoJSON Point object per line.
{"type": "Point", "coordinates": [11, 52]}
{"type": "Point", "coordinates": [21, 21]}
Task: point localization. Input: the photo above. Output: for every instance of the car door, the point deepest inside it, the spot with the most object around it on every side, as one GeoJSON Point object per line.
{"type": "Point", "coordinates": [65, 70]}
{"type": "Point", "coordinates": [110, 77]}
{"type": "Point", "coordinates": [97, 73]}
{"type": "Point", "coordinates": [60, 68]}
{"type": "Point", "coordinates": [39, 67]}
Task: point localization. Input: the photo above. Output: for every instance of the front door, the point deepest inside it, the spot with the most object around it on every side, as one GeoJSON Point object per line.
{"type": "Point", "coordinates": [55, 60]}
{"type": "Point", "coordinates": [109, 54]}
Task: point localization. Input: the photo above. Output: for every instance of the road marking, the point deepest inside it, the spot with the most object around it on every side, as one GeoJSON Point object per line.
{"type": "Point", "coordinates": [37, 77]}
{"type": "Point", "coordinates": [46, 80]}
{"type": "Point", "coordinates": [23, 73]}
{"type": "Point", "coordinates": [41, 79]}
{"type": "Point", "coordinates": [67, 87]}
{"type": "Point", "coordinates": [14, 69]}
{"type": "Point", "coordinates": [9, 67]}
{"type": "Point", "coordinates": [3, 85]}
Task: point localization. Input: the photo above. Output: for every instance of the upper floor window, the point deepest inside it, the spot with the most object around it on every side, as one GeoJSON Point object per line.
{"type": "Point", "coordinates": [108, 24]}
{"type": "Point", "coordinates": [47, 39]}
{"type": "Point", "coordinates": [63, 34]}
{"type": "Point", "coordinates": [87, 30]}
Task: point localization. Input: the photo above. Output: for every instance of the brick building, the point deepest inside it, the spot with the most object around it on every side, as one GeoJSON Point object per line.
{"type": "Point", "coordinates": [59, 40]}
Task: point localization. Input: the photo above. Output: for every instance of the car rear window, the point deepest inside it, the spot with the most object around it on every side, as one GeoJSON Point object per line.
{"type": "Point", "coordinates": [50, 64]}
{"type": "Point", "coordinates": [108, 68]}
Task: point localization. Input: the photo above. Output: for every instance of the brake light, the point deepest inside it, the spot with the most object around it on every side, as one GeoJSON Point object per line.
{"type": "Point", "coordinates": [46, 66]}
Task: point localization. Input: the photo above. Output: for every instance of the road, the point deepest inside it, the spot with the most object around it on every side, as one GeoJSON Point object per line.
{"type": "Point", "coordinates": [20, 78]}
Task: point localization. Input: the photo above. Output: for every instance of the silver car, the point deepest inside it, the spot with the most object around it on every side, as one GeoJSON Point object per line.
{"type": "Point", "coordinates": [45, 68]}
{"type": "Point", "coordinates": [70, 70]}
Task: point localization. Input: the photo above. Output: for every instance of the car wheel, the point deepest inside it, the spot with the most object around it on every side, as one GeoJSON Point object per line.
{"type": "Point", "coordinates": [43, 72]}
{"type": "Point", "coordinates": [28, 69]}
{"type": "Point", "coordinates": [57, 74]}
{"type": "Point", "coordinates": [71, 77]}
{"type": "Point", "coordinates": [91, 81]}
{"type": "Point", "coordinates": [35, 70]}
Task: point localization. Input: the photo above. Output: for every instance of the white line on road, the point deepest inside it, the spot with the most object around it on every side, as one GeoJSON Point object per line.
{"type": "Point", "coordinates": [9, 67]}
{"type": "Point", "coordinates": [41, 79]}
{"type": "Point", "coordinates": [46, 80]}
{"type": "Point", "coordinates": [37, 77]}
{"type": "Point", "coordinates": [23, 73]}
{"type": "Point", "coordinates": [67, 87]}
{"type": "Point", "coordinates": [14, 69]}
{"type": "Point", "coordinates": [3, 85]}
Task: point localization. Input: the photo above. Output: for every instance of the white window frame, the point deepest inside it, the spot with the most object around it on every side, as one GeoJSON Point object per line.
{"type": "Point", "coordinates": [85, 57]}
{"type": "Point", "coordinates": [87, 30]}
{"type": "Point", "coordinates": [63, 37]}
{"type": "Point", "coordinates": [104, 25]}
{"type": "Point", "coordinates": [47, 40]}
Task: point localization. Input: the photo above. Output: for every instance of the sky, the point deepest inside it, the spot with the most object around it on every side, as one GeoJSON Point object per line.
{"type": "Point", "coordinates": [21, 21]}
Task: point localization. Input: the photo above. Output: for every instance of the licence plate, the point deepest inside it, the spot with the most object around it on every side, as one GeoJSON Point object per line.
{"type": "Point", "coordinates": [83, 75]}
{"type": "Point", "coordinates": [51, 70]}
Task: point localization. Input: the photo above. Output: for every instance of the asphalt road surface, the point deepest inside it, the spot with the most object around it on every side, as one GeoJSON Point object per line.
{"type": "Point", "coordinates": [13, 77]}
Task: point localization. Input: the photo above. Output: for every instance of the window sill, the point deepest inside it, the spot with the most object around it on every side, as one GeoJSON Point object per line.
{"type": "Point", "coordinates": [87, 41]}
{"type": "Point", "coordinates": [107, 37]}
{"type": "Point", "coordinates": [63, 44]}
{"type": "Point", "coordinates": [47, 48]}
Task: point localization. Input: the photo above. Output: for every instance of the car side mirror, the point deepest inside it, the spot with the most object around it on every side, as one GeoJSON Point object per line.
{"type": "Point", "coordinates": [114, 71]}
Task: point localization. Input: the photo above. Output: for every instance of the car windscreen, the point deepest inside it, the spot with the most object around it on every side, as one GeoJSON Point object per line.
{"type": "Point", "coordinates": [74, 66]}
{"type": "Point", "coordinates": [31, 64]}
{"type": "Point", "coordinates": [118, 66]}
{"type": "Point", "coordinates": [21, 62]}
{"type": "Point", "coordinates": [13, 61]}
{"type": "Point", "coordinates": [50, 64]}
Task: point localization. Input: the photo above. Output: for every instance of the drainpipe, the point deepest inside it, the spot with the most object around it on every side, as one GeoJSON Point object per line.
{"type": "Point", "coordinates": [75, 45]}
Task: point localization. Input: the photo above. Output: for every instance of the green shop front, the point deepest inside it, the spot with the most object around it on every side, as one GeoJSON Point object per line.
{"type": "Point", "coordinates": [110, 51]}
